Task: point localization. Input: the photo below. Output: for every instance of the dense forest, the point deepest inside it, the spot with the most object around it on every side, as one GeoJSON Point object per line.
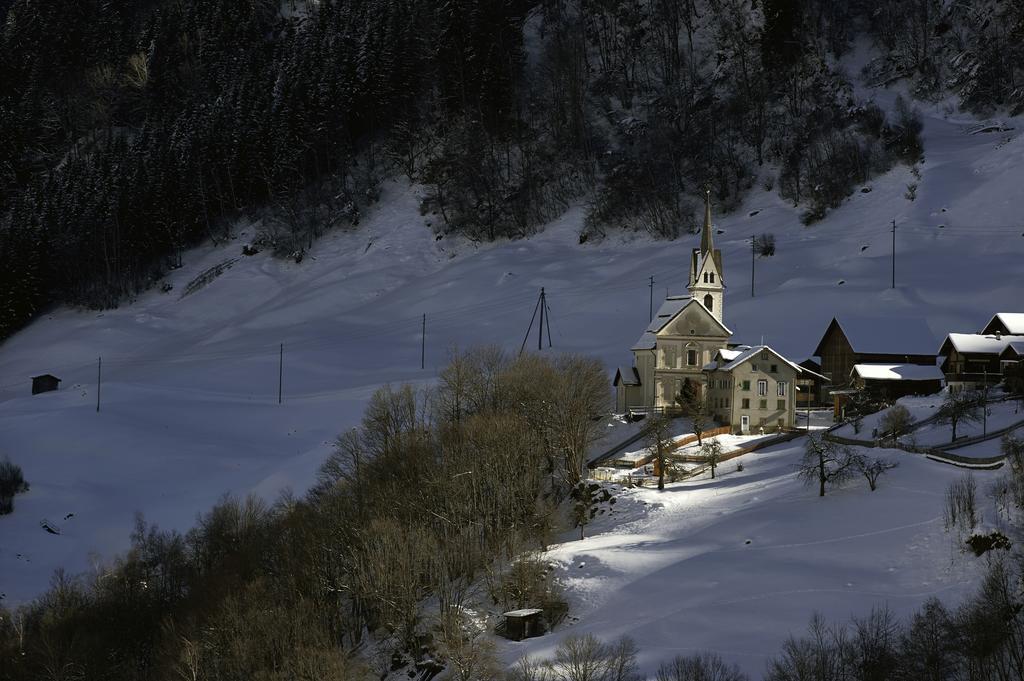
{"type": "Point", "coordinates": [130, 130]}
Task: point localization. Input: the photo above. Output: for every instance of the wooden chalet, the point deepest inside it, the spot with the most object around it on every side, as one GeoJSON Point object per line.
{"type": "Point", "coordinates": [974, 360]}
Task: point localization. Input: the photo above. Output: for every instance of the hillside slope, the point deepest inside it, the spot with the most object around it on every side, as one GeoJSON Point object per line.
{"type": "Point", "coordinates": [189, 396]}
{"type": "Point", "coordinates": [737, 564]}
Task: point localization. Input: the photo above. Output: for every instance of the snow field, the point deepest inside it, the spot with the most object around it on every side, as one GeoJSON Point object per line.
{"type": "Point", "coordinates": [738, 563]}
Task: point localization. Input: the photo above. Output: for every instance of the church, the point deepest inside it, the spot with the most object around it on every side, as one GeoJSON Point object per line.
{"type": "Point", "coordinates": [685, 334]}
{"type": "Point", "coordinates": [687, 345]}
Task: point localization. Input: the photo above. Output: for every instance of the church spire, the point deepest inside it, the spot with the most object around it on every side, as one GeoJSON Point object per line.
{"type": "Point", "coordinates": [707, 244]}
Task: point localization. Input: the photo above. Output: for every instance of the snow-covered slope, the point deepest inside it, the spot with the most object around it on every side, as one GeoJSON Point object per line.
{"type": "Point", "coordinates": [189, 395]}
{"type": "Point", "coordinates": [739, 563]}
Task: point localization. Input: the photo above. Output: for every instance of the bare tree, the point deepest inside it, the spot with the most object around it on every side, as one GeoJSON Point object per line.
{"type": "Point", "coordinates": [660, 438]}
{"type": "Point", "coordinates": [705, 666]}
{"type": "Point", "coordinates": [695, 406]}
{"type": "Point", "coordinates": [712, 453]}
{"type": "Point", "coordinates": [872, 469]}
{"type": "Point", "coordinates": [827, 463]}
{"type": "Point", "coordinates": [960, 407]}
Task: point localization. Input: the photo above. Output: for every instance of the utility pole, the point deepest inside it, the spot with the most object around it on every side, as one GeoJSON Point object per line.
{"type": "Point", "coordinates": [423, 343]}
{"type": "Point", "coordinates": [651, 285]}
{"type": "Point", "coordinates": [893, 254]}
{"type": "Point", "coordinates": [752, 254]}
{"type": "Point", "coordinates": [99, 381]}
{"type": "Point", "coordinates": [280, 371]}
{"type": "Point", "coordinates": [984, 403]}
{"type": "Point", "coordinates": [540, 329]}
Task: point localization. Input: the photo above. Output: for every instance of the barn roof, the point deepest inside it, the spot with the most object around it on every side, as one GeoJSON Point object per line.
{"type": "Point", "coordinates": [897, 372]}
{"type": "Point", "coordinates": [883, 335]}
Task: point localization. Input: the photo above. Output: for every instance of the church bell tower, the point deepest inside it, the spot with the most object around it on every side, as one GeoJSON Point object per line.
{"type": "Point", "coordinates": [707, 285]}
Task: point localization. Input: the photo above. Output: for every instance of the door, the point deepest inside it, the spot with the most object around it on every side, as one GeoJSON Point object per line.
{"type": "Point", "coordinates": [744, 424]}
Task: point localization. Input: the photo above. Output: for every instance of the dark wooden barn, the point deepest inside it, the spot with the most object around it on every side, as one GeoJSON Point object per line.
{"type": "Point", "coordinates": [44, 383]}
{"type": "Point", "coordinates": [854, 340]}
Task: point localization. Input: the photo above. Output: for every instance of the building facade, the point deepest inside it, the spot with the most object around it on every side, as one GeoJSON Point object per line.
{"type": "Point", "coordinates": [682, 338]}
{"type": "Point", "coordinates": [753, 389]}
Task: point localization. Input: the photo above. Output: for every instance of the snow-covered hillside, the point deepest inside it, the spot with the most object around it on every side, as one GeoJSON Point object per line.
{"type": "Point", "coordinates": [189, 394]}
{"type": "Point", "coordinates": [737, 564]}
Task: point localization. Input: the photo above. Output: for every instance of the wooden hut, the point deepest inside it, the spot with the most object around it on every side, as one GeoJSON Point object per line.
{"type": "Point", "coordinates": [44, 383]}
{"type": "Point", "coordinates": [525, 623]}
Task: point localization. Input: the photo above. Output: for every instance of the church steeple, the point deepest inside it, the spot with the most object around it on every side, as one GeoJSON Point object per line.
{"type": "Point", "coordinates": [707, 285]}
{"type": "Point", "coordinates": [707, 242]}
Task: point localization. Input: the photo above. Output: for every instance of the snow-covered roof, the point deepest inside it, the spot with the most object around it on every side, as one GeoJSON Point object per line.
{"type": "Point", "coordinates": [670, 307]}
{"type": "Point", "coordinates": [1013, 321]}
{"type": "Point", "coordinates": [747, 354]}
{"type": "Point", "coordinates": [978, 344]}
{"type": "Point", "coordinates": [897, 372]}
{"type": "Point", "coordinates": [627, 376]}
{"type": "Point", "coordinates": [885, 335]}
{"type": "Point", "coordinates": [1015, 348]}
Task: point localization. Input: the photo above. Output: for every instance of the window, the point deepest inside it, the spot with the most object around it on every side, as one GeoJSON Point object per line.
{"type": "Point", "coordinates": [746, 403]}
{"type": "Point", "coordinates": [670, 356]}
{"type": "Point", "coordinates": [746, 385]}
{"type": "Point", "coordinates": [712, 277]}
{"type": "Point", "coordinates": [764, 354]}
{"type": "Point", "coordinates": [691, 357]}
{"type": "Point", "coordinates": [782, 388]}
{"type": "Point", "coordinates": [726, 402]}
{"type": "Point", "coordinates": [754, 368]}
{"type": "Point", "coordinates": [781, 405]}
{"type": "Point", "coordinates": [705, 277]}
{"type": "Point", "coordinates": [709, 302]}
{"type": "Point", "coordinates": [762, 387]}
{"type": "Point", "coordinates": [763, 404]}
{"type": "Point", "coordinates": [775, 369]}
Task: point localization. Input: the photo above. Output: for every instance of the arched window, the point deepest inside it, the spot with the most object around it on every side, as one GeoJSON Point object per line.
{"type": "Point", "coordinates": [709, 302]}
{"type": "Point", "coordinates": [712, 277]}
{"type": "Point", "coordinates": [705, 277]}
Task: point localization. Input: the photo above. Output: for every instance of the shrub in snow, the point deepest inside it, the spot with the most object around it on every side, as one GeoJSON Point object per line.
{"type": "Point", "coordinates": [896, 421]}
{"type": "Point", "coordinates": [961, 504]}
{"type": "Point", "coordinates": [12, 482]}
{"type": "Point", "coordinates": [981, 543]}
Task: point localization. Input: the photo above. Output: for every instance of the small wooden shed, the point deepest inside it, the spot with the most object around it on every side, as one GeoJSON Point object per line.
{"type": "Point", "coordinates": [44, 383]}
{"type": "Point", "coordinates": [526, 623]}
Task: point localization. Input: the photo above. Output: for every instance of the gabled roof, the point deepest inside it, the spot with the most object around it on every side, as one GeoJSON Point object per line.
{"type": "Point", "coordinates": [897, 372]}
{"type": "Point", "coordinates": [745, 356]}
{"type": "Point", "coordinates": [626, 376]}
{"type": "Point", "coordinates": [977, 344]}
{"type": "Point", "coordinates": [669, 310]}
{"type": "Point", "coordinates": [883, 335]}
{"type": "Point", "coordinates": [1013, 349]}
{"type": "Point", "coordinates": [1013, 321]}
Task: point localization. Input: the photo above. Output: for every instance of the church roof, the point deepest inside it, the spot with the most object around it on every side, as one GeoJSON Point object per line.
{"type": "Point", "coordinates": [668, 311]}
{"type": "Point", "coordinates": [627, 376]}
